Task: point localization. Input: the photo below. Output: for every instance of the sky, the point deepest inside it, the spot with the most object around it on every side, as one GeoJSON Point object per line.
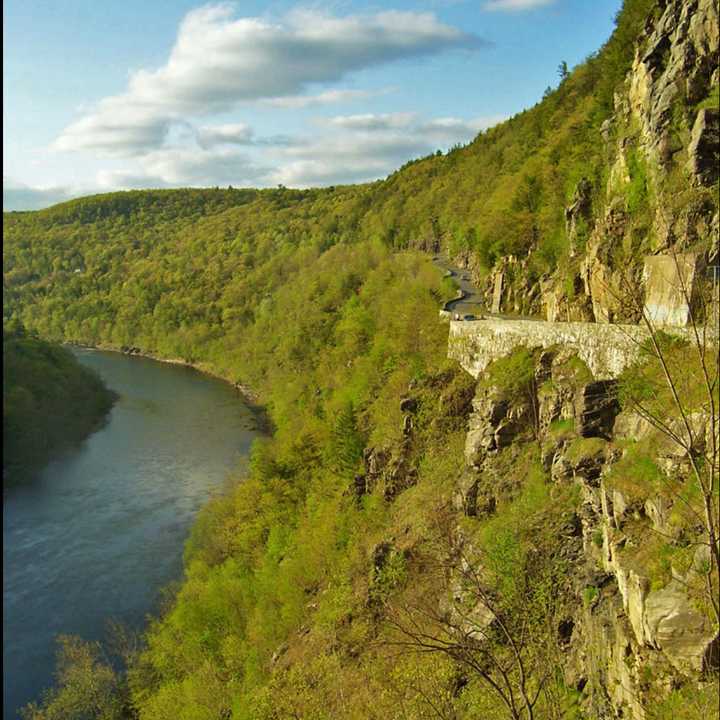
{"type": "Point", "coordinates": [102, 96]}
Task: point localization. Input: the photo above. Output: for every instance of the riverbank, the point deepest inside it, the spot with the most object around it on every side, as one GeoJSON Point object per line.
{"type": "Point", "coordinates": [251, 398]}
{"type": "Point", "coordinates": [102, 530]}
{"type": "Point", "coordinates": [51, 403]}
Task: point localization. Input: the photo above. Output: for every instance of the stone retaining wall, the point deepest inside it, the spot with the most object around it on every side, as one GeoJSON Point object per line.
{"type": "Point", "coordinates": [606, 349]}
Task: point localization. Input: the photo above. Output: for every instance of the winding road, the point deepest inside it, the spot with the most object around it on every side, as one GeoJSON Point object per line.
{"type": "Point", "coordinates": [477, 337]}
{"type": "Point", "coordinates": [471, 301]}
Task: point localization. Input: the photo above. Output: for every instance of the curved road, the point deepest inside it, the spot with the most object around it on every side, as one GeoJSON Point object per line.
{"type": "Point", "coordinates": [472, 301]}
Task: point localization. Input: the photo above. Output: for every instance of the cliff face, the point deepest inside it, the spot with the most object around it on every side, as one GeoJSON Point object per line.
{"type": "Point", "coordinates": [676, 62]}
{"type": "Point", "coordinates": [635, 627]}
{"type": "Point", "coordinates": [663, 155]}
{"type": "Point", "coordinates": [659, 197]}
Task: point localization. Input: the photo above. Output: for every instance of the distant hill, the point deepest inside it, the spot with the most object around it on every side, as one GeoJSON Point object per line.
{"type": "Point", "coordinates": [172, 269]}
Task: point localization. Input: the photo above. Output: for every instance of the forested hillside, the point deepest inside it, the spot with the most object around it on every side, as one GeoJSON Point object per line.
{"type": "Point", "coordinates": [49, 402]}
{"type": "Point", "coordinates": [335, 581]}
{"type": "Point", "coordinates": [182, 271]}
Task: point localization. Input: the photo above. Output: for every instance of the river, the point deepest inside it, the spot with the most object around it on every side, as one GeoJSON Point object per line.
{"type": "Point", "coordinates": [101, 530]}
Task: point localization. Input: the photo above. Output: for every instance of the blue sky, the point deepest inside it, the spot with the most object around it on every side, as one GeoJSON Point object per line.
{"type": "Point", "coordinates": [167, 93]}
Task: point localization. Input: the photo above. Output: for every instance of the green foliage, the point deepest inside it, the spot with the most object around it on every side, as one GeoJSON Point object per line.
{"type": "Point", "coordinates": [589, 594]}
{"type": "Point", "coordinates": [688, 702]}
{"type": "Point", "coordinates": [667, 556]}
{"type": "Point", "coordinates": [562, 427]}
{"type": "Point", "coordinates": [644, 384]}
{"type": "Point", "coordinates": [516, 561]}
{"type": "Point", "coordinates": [712, 101]}
{"type": "Point", "coordinates": [637, 190]}
{"type": "Point", "coordinates": [392, 575]}
{"type": "Point", "coordinates": [511, 374]}
{"type": "Point", "coordinates": [49, 401]}
{"type": "Point", "coordinates": [508, 535]}
{"type": "Point", "coordinates": [574, 370]}
{"type": "Point", "coordinates": [637, 474]}
{"type": "Point", "coordinates": [346, 444]}
{"type": "Point", "coordinates": [552, 249]}
{"type": "Point", "coordinates": [583, 447]}
{"type": "Point", "coordinates": [87, 686]}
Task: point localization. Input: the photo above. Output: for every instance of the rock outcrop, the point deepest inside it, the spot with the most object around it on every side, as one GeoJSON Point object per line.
{"type": "Point", "coordinates": [578, 213]}
{"type": "Point", "coordinates": [677, 61]}
{"type": "Point", "coordinates": [596, 406]}
{"type": "Point", "coordinates": [670, 287]}
{"type": "Point", "coordinates": [634, 634]}
{"type": "Point", "coordinates": [390, 470]}
{"type": "Point", "coordinates": [704, 159]}
{"type": "Point", "coordinates": [663, 149]}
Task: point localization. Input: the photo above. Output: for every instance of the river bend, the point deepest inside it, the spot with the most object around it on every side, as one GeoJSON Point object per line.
{"type": "Point", "coordinates": [101, 530]}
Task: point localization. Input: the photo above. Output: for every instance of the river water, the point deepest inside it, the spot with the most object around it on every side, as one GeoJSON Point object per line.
{"type": "Point", "coordinates": [101, 530]}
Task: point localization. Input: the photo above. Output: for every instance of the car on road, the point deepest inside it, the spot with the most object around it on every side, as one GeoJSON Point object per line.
{"type": "Point", "coordinates": [469, 317]}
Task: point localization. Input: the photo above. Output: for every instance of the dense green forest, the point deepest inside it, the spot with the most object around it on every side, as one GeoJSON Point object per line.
{"type": "Point", "coordinates": [50, 401]}
{"type": "Point", "coordinates": [190, 273]}
{"type": "Point", "coordinates": [304, 587]}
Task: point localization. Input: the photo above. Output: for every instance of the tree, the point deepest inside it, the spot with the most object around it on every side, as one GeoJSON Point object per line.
{"type": "Point", "coordinates": [496, 600]}
{"type": "Point", "coordinates": [87, 686]}
{"type": "Point", "coordinates": [562, 71]}
{"type": "Point", "coordinates": [499, 626]}
{"type": "Point", "coordinates": [346, 444]}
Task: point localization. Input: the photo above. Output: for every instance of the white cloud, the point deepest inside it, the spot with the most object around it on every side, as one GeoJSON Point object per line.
{"type": "Point", "coordinates": [448, 127]}
{"type": "Point", "coordinates": [219, 61]}
{"type": "Point", "coordinates": [370, 121]}
{"type": "Point", "coordinates": [233, 134]}
{"type": "Point", "coordinates": [513, 5]}
{"type": "Point", "coordinates": [316, 171]}
{"type": "Point", "coordinates": [188, 167]}
{"type": "Point", "coordinates": [349, 148]}
{"type": "Point", "coordinates": [368, 147]}
{"type": "Point", "coordinates": [209, 136]}
{"type": "Point", "coordinates": [453, 129]}
{"type": "Point", "coordinates": [215, 167]}
{"type": "Point", "coordinates": [112, 180]}
{"type": "Point", "coordinates": [116, 128]}
{"type": "Point", "coordinates": [324, 98]}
